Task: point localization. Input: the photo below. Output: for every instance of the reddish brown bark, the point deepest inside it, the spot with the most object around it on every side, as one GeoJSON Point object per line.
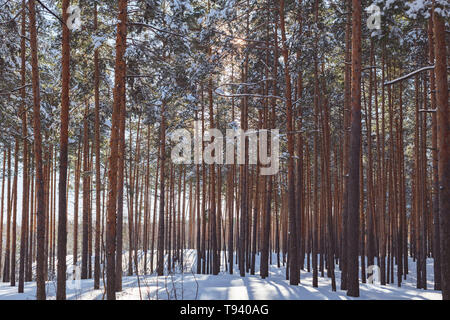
{"type": "Point", "coordinates": [24, 227]}
{"type": "Point", "coordinates": [119, 92]}
{"type": "Point", "coordinates": [40, 213]}
{"type": "Point", "coordinates": [97, 162]}
{"type": "Point", "coordinates": [160, 257]}
{"type": "Point", "coordinates": [443, 142]}
{"type": "Point", "coordinates": [354, 156]}
{"type": "Point", "coordinates": [294, 275]}
{"type": "Point", "coordinates": [63, 141]}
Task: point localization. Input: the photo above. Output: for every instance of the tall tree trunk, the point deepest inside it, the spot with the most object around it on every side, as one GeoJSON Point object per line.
{"type": "Point", "coordinates": [160, 260]}
{"type": "Point", "coordinates": [155, 199]}
{"type": "Point", "coordinates": [75, 210]}
{"type": "Point", "coordinates": [1, 208]}
{"type": "Point", "coordinates": [120, 184]}
{"type": "Point", "coordinates": [212, 200]}
{"type": "Point", "coordinates": [24, 227]}
{"type": "Point", "coordinates": [443, 140]}
{"type": "Point", "coordinates": [198, 208]}
{"type": "Point", "coordinates": [14, 216]}
{"type": "Point", "coordinates": [86, 193]}
{"type": "Point", "coordinates": [7, 263]}
{"type": "Point", "coordinates": [63, 141]}
{"type": "Point", "coordinates": [346, 147]}
{"type": "Point", "coordinates": [354, 155]}
{"type": "Point", "coordinates": [119, 98]}
{"type": "Point", "coordinates": [294, 275]}
{"type": "Point", "coordinates": [435, 188]}
{"type": "Point", "coordinates": [97, 163]}
{"type": "Point", "coordinates": [40, 213]}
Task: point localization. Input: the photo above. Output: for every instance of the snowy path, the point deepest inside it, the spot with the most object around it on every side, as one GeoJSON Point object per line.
{"type": "Point", "coordinates": [225, 286]}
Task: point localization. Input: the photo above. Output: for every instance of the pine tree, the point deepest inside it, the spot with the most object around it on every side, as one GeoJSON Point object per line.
{"type": "Point", "coordinates": [63, 155]}
{"type": "Point", "coordinates": [354, 156]}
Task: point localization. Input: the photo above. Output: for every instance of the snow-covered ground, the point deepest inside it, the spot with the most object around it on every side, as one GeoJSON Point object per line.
{"type": "Point", "coordinates": [224, 286]}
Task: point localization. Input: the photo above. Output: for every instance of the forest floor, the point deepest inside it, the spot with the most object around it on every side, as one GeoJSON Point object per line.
{"type": "Point", "coordinates": [188, 285]}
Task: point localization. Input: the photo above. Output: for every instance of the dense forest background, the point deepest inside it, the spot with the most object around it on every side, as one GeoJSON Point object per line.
{"type": "Point", "coordinates": [87, 112]}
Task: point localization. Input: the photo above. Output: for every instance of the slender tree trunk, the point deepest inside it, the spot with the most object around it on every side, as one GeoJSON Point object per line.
{"type": "Point", "coordinates": [40, 271]}
{"type": "Point", "coordinates": [294, 275]}
{"type": "Point", "coordinates": [197, 191]}
{"type": "Point", "coordinates": [97, 163]}
{"type": "Point", "coordinates": [24, 230]}
{"type": "Point", "coordinates": [86, 192]}
{"type": "Point", "coordinates": [435, 188]}
{"type": "Point", "coordinates": [354, 155]}
{"type": "Point", "coordinates": [160, 261]}
{"type": "Point", "coordinates": [1, 208]}
{"type": "Point", "coordinates": [443, 141]}
{"type": "Point", "coordinates": [7, 263]}
{"type": "Point", "coordinates": [119, 99]}
{"type": "Point", "coordinates": [346, 147]}
{"type": "Point", "coordinates": [120, 184]}
{"type": "Point", "coordinates": [14, 214]}
{"type": "Point", "coordinates": [75, 214]}
{"type": "Point", "coordinates": [154, 210]}
{"type": "Point", "coordinates": [63, 141]}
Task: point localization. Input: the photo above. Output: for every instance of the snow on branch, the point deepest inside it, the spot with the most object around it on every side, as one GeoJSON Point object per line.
{"type": "Point", "coordinates": [221, 93]}
{"type": "Point", "coordinates": [14, 90]}
{"type": "Point", "coordinates": [240, 95]}
{"type": "Point", "coordinates": [14, 18]}
{"type": "Point", "coordinates": [151, 27]}
{"type": "Point", "coordinates": [245, 84]}
{"type": "Point", "coordinates": [51, 12]}
{"type": "Point", "coordinates": [409, 75]}
{"type": "Point", "coordinates": [370, 67]}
